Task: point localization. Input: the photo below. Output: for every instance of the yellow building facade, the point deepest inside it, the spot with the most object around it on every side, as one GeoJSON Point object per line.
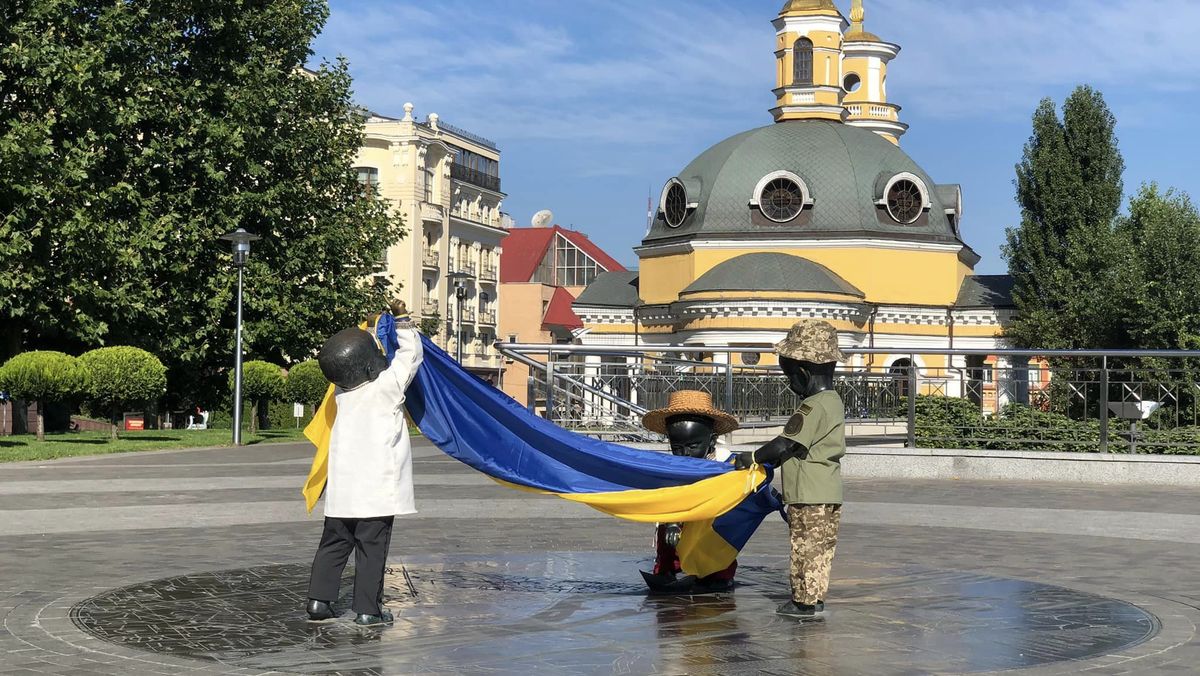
{"type": "Point", "coordinates": [820, 215]}
{"type": "Point", "coordinates": [445, 183]}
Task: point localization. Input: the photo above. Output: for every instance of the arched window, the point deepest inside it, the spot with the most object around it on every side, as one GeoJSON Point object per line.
{"type": "Point", "coordinates": [802, 62]}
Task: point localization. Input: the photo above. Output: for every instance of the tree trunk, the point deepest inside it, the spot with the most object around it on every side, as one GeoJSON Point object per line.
{"type": "Point", "coordinates": [41, 423]}
{"type": "Point", "coordinates": [254, 417]}
{"type": "Point", "coordinates": [113, 418]}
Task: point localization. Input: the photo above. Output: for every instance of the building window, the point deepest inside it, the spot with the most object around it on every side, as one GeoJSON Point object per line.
{"type": "Point", "coordinates": [904, 199]}
{"type": "Point", "coordinates": [674, 203]}
{"type": "Point", "coordinates": [368, 180]}
{"type": "Point", "coordinates": [484, 301]}
{"type": "Point", "coordinates": [572, 266]}
{"type": "Point", "coordinates": [781, 200]}
{"type": "Point", "coordinates": [802, 62]}
{"type": "Point", "coordinates": [852, 83]}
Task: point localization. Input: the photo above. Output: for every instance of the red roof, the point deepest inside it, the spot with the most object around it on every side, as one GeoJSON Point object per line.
{"type": "Point", "coordinates": [559, 312]}
{"type": "Point", "coordinates": [524, 249]}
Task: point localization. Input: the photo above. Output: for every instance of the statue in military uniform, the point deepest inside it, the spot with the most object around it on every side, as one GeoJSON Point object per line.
{"type": "Point", "coordinates": [809, 453]}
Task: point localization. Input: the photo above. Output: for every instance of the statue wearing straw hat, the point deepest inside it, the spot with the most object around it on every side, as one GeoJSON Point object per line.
{"type": "Point", "coordinates": [809, 453]}
{"type": "Point", "coordinates": [692, 425]}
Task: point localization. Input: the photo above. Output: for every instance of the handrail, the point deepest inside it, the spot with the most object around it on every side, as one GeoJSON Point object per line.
{"type": "Point", "coordinates": [634, 351]}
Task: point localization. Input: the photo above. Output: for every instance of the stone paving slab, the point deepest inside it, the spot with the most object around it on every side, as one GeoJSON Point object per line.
{"type": "Point", "coordinates": [51, 572]}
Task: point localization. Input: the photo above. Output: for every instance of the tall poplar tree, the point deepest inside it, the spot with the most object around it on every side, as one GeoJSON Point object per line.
{"type": "Point", "coordinates": [134, 134]}
{"type": "Point", "coordinates": [1069, 264]}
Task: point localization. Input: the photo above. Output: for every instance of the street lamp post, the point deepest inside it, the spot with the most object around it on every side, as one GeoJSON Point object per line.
{"type": "Point", "coordinates": [241, 254]}
{"type": "Point", "coordinates": [459, 279]}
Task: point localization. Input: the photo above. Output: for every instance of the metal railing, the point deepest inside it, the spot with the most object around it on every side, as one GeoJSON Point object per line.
{"type": "Point", "coordinates": [429, 258]}
{"type": "Point", "coordinates": [488, 274]}
{"type": "Point", "coordinates": [486, 317]}
{"type": "Point", "coordinates": [1144, 401]}
{"type": "Point", "coordinates": [475, 177]}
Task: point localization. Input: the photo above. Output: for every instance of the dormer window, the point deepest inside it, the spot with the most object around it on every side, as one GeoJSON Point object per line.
{"type": "Point", "coordinates": [781, 196]}
{"type": "Point", "coordinates": [674, 203]}
{"type": "Point", "coordinates": [905, 198]}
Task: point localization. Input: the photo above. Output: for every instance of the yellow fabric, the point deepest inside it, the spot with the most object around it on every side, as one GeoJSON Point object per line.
{"type": "Point", "coordinates": [701, 550]}
{"type": "Point", "coordinates": [318, 432]}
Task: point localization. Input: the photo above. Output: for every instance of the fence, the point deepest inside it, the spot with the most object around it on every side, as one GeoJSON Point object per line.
{"type": "Point", "coordinates": [1078, 400]}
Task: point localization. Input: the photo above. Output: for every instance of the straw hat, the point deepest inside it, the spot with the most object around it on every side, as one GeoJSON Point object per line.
{"type": "Point", "coordinates": [689, 402]}
{"type": "Point", "coordinates": [811, 340]}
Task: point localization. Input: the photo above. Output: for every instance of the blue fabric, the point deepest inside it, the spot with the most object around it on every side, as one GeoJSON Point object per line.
{"type": "Point", "coordinates": [385, 331]}
{"type": "Point", "coordinates": [481, 426]}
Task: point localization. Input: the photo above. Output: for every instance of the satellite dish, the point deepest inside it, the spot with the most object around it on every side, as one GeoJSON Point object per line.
{"type": "Point", "coordinates": [543, 218]}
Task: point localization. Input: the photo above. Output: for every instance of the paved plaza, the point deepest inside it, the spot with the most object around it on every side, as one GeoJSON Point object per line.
{"type": "Point", "coordinates": [196, 561]}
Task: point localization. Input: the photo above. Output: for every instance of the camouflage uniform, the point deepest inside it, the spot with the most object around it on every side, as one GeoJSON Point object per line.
{"type": "Point", "coordinates": [814, 538]}
{"type": "Point", "coordinates": [812, 486]}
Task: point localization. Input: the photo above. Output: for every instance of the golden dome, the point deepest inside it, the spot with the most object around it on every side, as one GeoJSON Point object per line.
{"type": "Point", "coordinates": [808, 7]}
{"type": "Point", "coordinates": [862, 36]}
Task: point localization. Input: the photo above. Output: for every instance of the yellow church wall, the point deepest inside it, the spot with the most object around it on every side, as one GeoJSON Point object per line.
{"type": "Point", "coordinates": [921, 277]}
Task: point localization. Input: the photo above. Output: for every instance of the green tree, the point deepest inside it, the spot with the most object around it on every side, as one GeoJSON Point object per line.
{"type": "Point", "coordinates": [1163, 229]}
{"type": "Point", "coordinates": [42, 377]}
{"type": "Point", "coordinates": [305, 383]}
{"type": "Point", "coordinates": [261, 382]}
{"type": "Point", "coordinates": [122, 377]}
{"type": "Point", "coordinates": [431, 324]}
{"type": "Point", "coordinates": [1067, 260]}
{"type": "Point", "coordinates": [132, 135]}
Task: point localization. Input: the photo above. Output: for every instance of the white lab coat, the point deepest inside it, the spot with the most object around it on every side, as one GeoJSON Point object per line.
{"type": "Point", "coordinates": [370, 456]}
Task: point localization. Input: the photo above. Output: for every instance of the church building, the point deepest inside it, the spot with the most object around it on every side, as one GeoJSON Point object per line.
{"type": "Point", "coordinates": [819, 214]}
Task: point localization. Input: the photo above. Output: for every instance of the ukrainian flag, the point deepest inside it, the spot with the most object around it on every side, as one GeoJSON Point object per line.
{"type": "Point", "coordinates": [477, 424]}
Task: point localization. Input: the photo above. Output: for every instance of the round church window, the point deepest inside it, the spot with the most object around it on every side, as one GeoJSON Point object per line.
{"type": "Point", "coordinates": [781, 200]}
{"type": "Point", "coordinates": [852, 83]}
{"type": "Point", "coordinates": [675, 204]}
{"type": "Point", "coordinates": [905, 201]}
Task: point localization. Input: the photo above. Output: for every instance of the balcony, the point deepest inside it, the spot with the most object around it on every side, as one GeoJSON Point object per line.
{"type": "Point", "coordinates": [463, 268]}
{"type": "Point", "coordinates": [489, 273]}
{"type": "Point", "coordinates": [478, 178]}
{"type": "Point", "coordinates": [874, 111]}
{"type": "Point", "coordinates": [432, 212]}
{"type": "Point", "coordinates": [429, 258]}
{"type": "Point", "coordinates": [468, 315]}
{"type": "Point", "coordinates": [486, 317]}
{"type": "Point", "coordinates": [430, 307]}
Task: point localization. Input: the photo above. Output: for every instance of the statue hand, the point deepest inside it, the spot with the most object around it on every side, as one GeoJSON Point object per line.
{"type": "Point", "coordinates": [743, 460]}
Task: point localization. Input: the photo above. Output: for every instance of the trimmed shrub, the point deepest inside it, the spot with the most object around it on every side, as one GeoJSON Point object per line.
{"type": "Point", "coordinates": [42, 377]}
{"type": "Point", "coordinates": [261, 382]}
{"type": "Point", "coordinates": [306, 384]}
{"type": "Point", "coordinates": [120, 378]}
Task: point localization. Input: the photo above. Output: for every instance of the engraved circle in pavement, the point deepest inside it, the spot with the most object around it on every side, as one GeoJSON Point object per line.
{"type": "Point", "coordinates": [585, 613]}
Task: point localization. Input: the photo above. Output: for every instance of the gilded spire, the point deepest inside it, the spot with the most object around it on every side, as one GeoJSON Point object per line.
{"type": "Point", "coordinates": [857, 33]}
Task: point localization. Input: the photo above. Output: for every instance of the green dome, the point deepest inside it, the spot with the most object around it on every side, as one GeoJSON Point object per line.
{"type": "Point", "coordinates": [845, 169]}
{"type": "Point", "coordinates": [771, 272]}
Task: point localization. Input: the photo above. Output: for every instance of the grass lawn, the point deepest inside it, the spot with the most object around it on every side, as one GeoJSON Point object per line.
{"type": "Point", "coordinates": [27, 447]}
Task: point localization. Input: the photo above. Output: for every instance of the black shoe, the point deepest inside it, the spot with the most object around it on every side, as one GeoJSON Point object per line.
{"type": "Point", "coordinates": [364, 620]}
{"type": "Point", "coordinates": [319, 611]}
{"type": "Point", "coordinates": [669, 584]}
{"type": "Point", "coordinates": [801, 611]}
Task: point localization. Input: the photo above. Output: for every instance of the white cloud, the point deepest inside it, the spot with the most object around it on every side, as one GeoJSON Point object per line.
{"type": "Point", "coordinates": [965, 59]}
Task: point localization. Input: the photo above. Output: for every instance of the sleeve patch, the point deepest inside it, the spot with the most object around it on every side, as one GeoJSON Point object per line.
{"type": "Point", "coordinates": [794, 425]}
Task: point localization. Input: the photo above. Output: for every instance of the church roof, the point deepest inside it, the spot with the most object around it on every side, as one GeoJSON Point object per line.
{"type": "Point", "coordinates": [611, 289]}
{"type": "Point", "coordinates": [986, 291]}
{"type": "Point", "coordinates": [772, 272]}
{"type": "Point", "coordinates": [845, 169]}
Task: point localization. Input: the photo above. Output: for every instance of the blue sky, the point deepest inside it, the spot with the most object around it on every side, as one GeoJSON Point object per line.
{"type": "Point", "coordinates": [594, 102]}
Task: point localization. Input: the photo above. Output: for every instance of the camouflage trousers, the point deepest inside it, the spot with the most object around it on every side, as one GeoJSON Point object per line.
{"type": "Point", "coordinates": [814, 530]}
